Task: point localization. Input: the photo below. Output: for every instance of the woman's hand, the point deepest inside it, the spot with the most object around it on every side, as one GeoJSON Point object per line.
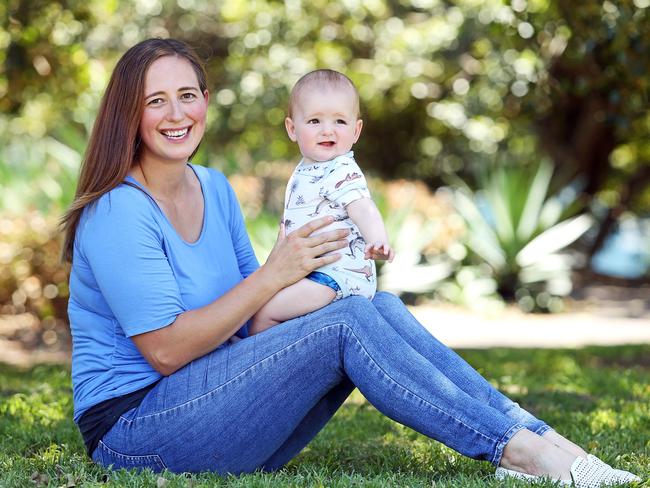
{"type": "Point", "coordinates": [299, 253]}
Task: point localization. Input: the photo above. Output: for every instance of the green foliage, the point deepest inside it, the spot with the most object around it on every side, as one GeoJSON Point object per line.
{"type": "Point", "coordinates": [445, 86]}
{"type": "Point", "coordinates": [596, 396]}
{"type": "Point", "coordinates": [49, 87]}
{"type": "Point", "coordinates": [263, 232]}
{"type": "Point", "coordinates": [519, 230]}
{"type": "Point", "coordinates": [596, 99]}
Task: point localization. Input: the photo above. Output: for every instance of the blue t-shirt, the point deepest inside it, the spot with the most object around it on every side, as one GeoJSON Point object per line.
{"type": "Point", "coordinates": [133, 273]}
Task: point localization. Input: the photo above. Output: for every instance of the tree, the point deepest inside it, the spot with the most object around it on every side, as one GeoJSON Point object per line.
{"type": "Point", "coordinates": [446, 87]}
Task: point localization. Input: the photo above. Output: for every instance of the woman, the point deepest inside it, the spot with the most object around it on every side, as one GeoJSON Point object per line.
{"type": "Point", "coordinates": [162, 286]}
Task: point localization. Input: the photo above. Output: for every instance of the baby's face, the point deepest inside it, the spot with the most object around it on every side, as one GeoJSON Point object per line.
{"type": "Point", "coordinates": [324, 123]}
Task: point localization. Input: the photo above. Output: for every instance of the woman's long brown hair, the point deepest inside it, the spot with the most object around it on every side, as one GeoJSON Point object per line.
{"type": "Point", "coordinates": [114, 143]}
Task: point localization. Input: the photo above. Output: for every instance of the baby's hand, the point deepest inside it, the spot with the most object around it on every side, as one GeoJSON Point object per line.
{"type": "Point", "coordinates": [379, 251]}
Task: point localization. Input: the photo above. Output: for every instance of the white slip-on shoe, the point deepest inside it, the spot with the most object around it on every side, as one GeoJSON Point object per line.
{"type": "Point", "coordinates": [503, 473]}
{"type": "Point", "coordinates": [624, 476]}
{"type": "Point", "coordinates": [589, 473]}
{"type": "Point", "coordinates": [585, 473]}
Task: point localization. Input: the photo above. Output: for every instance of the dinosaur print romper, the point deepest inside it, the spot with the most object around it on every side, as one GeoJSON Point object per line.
{"type": "Point", "coordinates": [326, 188]}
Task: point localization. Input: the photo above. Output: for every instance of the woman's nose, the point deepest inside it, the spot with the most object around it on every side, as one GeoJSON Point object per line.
{"type": "Point", "coordinates": [175, 111]}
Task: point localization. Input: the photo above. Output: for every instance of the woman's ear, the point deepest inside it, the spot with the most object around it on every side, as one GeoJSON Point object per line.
{"type": "Point", "coordinates": [291, 129]}
{"type": "Point", "coordinates": [357, 129]}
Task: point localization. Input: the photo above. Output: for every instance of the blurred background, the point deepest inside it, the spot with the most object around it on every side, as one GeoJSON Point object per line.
{"type": "Point", "coordinates": [506, 141]}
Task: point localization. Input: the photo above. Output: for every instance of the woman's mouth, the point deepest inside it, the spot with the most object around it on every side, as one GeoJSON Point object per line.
{"type": "Point", "coordinates": [175, 134]}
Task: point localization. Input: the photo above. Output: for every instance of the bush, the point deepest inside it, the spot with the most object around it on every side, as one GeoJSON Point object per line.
{"type": "Point", "coordinates": [33, 281]}
{"type": "Point", "coordinates": [517, 234]}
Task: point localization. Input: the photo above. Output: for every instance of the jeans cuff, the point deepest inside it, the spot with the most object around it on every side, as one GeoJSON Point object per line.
{"type": "Point", "coordinates": [498, 452]}
{"type": "Point", "coordinates": [543, 429]}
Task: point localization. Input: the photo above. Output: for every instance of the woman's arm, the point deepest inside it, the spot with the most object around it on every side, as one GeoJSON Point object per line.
{"type": "Point", "coordinates": [197, 332]}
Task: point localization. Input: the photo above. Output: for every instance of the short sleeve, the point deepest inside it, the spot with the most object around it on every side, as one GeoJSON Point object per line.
{"type": "Point", "coordinates": [347, 182]}
{"type": "Point", "coordinates": [124, 248]}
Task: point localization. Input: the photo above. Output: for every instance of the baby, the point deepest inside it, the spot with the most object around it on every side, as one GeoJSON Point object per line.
{"type": "Point", "coordinates": [324, 121]}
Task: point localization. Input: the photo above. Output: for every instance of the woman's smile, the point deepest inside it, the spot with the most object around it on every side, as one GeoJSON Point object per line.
{"type": "Point", "coordinates": [176, 135]}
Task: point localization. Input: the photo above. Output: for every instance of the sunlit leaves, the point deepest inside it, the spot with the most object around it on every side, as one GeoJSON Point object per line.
{"type": "Point", "coordinates": [447, 86]}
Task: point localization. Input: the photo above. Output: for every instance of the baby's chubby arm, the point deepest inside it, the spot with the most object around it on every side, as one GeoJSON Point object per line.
{"type": "Point", "coordinates": [365, 214]}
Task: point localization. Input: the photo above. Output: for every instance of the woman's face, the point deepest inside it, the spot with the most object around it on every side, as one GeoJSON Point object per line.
{"type": "Point", "coordinates": [173, 118]}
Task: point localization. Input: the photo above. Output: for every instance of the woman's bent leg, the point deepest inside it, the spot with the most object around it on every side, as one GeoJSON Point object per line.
{"type": "Point", "coordinates": [246, 405]}
{"type": "Point", "coordinates": [450, 363]}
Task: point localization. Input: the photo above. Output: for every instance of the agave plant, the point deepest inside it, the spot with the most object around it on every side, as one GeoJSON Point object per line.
{"type": "Point", "coordinates": [39, 173]}
{"type": "Point", "coordinates": [522, 232]}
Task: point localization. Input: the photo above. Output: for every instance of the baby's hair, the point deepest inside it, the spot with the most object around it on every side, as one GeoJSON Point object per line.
{"type": "Point", "coordinates": [322, 78]}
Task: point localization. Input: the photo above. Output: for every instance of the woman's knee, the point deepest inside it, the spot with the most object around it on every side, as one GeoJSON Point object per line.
{"type": "Point", "coordinates": [358, 306]}
{"type": "Point", "coordinates": [361, 313]}
{"type": "Point", "coordinates": [385, 298]}
{"type": "Point", "coordinates": [388, 304]}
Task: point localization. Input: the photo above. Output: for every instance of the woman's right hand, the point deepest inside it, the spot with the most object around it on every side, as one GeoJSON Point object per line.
{"type": "Point", "coordinates": [299, 253]}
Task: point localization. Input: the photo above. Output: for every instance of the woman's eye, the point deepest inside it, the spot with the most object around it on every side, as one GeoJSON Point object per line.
{"type": "Point", "coordinates": [155, 101]}
{"type": "Point", "coordinates": [188, 96]}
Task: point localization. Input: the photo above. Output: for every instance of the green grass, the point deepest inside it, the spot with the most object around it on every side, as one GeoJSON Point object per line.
{"type": "Point", "coordinates": [599, 397]}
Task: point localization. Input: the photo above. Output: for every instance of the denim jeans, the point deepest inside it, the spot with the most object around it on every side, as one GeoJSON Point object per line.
{"type": "Point", "coordinates": [255, 404]}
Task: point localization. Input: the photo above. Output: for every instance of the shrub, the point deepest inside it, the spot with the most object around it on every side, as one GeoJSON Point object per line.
{"type": "Point", "coordinates": [33, 281]}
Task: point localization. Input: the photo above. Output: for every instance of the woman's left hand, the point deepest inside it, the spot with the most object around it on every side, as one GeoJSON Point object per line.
{"type": "Point", "coordinates": [298, 253]}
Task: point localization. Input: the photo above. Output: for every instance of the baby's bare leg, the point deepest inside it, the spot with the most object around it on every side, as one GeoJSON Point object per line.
{"type": "Point", "coordinates": [293, 301]}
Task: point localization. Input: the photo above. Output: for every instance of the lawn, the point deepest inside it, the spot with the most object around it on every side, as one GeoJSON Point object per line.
{"type": "Point", "coordinates": [599, 397]}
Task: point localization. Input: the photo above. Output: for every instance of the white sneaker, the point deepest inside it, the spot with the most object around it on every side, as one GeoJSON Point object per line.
{"type": "Point", "coordinates": [503, 474]}
{"type": "Point", "coordinates": [624, 476]}
{"type": "Point", "coordinates": [594, 473]}
{"type": "Point", "coordinates": [585, 473]}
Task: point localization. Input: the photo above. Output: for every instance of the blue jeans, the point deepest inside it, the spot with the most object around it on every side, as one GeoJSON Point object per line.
{"type": "Point", "coordinates": [255, 404]}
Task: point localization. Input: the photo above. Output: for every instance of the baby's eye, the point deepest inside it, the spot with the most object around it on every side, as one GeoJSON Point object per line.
{"type": "Point", "coordinates": [342, 122]}
{"type": "Point", "coordinates": [312, 121]}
